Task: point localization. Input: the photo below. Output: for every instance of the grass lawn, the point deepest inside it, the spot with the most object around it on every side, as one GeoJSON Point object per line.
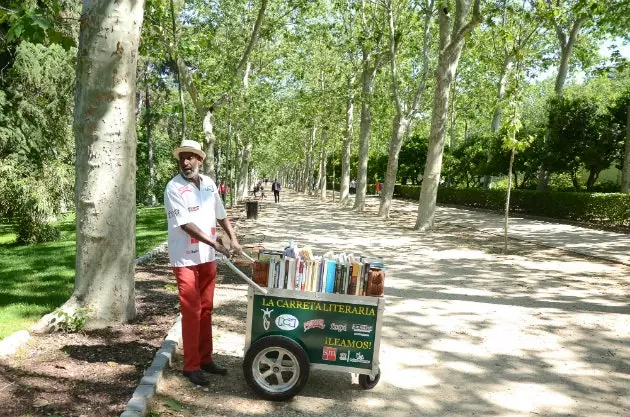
{"type": "Point", "coordinates": [36, 279]}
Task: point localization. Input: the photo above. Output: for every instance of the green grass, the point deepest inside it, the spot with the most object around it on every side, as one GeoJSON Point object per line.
{"type": "Point", "coordinates": [36, 279]}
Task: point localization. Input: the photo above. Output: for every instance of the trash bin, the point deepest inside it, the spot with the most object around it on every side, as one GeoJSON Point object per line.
{"type": "Point", "coordinates": [252, 209]}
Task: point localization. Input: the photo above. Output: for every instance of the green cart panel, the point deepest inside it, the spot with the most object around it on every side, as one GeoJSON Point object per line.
{"type": "Point", "coordinates": [332, 333]}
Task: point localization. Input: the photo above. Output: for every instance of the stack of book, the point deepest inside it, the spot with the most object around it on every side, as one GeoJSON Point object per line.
{"type": "Point", "coordinates": [299, 270]}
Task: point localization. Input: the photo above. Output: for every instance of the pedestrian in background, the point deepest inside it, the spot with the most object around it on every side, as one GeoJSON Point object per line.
{"type": "Point", "coordinates": [275, 187]}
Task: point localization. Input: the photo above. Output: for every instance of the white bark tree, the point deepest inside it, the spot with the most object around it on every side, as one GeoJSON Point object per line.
{"type": "Point", "coordinates": [405, 113]}
{"type": "Point", "coordinates": [371, 62]}
{"type": "Point", "coordinates": [105, 137]}
{"type": "Point", "coordinates": [452, 38]}
{"type": "Point", "coordinates": [346, 146]}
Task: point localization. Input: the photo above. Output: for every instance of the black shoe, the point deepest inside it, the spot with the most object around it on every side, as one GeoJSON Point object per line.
{"type": "Point", "coordinates": [196, 377]}
{"type": "Point", "coordinates": [213, 368]}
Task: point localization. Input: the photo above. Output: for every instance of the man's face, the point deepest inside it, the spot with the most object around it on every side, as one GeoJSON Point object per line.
{"type": "Point", "coordinates": [189, 164]}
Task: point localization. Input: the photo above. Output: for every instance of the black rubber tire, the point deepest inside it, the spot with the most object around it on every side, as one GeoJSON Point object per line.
{"type": "Point", "coordinates": [259, 360]}
{"type": "Point", "coordinates": [369, 382]}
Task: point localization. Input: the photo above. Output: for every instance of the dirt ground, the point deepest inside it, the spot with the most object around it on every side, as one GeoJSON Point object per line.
{"type": "Point", "coordinates": [468, 330]}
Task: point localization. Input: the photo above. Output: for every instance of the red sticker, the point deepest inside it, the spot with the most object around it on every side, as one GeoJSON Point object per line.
{"type": "Point", "coordinates": [329, 354]}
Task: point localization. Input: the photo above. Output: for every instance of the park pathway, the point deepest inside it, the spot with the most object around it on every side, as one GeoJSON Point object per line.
{"type": "Point", "coordinates": [468, 330]}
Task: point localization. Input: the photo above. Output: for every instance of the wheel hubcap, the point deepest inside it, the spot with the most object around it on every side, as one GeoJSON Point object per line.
{"type": "Point", "coordinates": [275, 369]}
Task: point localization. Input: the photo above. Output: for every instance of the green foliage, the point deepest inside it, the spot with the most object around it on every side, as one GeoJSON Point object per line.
{"type": "Point", "coordinates": [412, 158]}
{"type": "Point", "coordinates": [71, 322]}
{"type": "Point", "coordinates": [605, 209]}
{"type": "Point", "coordinates": [36, 279]}
{"type": "Point", "coordinates": [31, 199]}
{"type": "Point", "coordinates": [580, 135]}
{"type": "Point", "coordinates": [41, 22]}
{"type": "Point", "coordinates": [468, 162]}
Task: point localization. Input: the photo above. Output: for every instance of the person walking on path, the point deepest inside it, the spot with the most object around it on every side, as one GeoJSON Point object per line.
{"type": "Point", "coordinates": [193, 207]}
{"type": "Point", "coordinates": [222, 191]}
{"type": "Point", "coordinates": [275, 187]}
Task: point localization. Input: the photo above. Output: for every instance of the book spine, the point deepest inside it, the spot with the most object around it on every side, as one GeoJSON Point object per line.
{"type": "Point", "coordinates": [272, 269]}
{"type": "Point", "coordinates": [354, 274]}
{"type": "Point", "coordinates": [331, 270]}
{"type": "Point", "coordinates": [366, 272]}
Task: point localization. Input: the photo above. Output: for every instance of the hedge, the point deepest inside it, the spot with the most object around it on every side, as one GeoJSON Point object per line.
{"type": "Point", "coordinates": [611, 209]}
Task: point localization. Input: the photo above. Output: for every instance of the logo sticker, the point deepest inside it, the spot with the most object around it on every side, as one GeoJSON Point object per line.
{"type": "Point", "coordinates": [266, 317]}
{"type": "Point", "coordinates": [362, 330]}
{"type": "Point", "coordinates": [287, 322]}
{"type": "Point", "coordinates": [358, 358]}
{"type": "Point", "coordinates": [184, 189]}
{"type": "Point", "coordinates": [338, 327]}
{"type": "Point", "coordinates": [329, 354]}
{"type": "Point", "coordinates": [311, 324]}
{"type": "Point", "coordinates": [193, 209]}
{"type": "Point", "coordinates": [173, 213]}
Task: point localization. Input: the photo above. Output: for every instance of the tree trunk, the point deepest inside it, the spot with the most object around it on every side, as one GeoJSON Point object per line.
{"type": "Point", "coordinates": [507, 202]}
{"type": "Point", "coordinates": [367, 90]}
{"type": "Point", "coordinates": [592, 177]}
{"type": "Point", "coordinates": [399, 129]}
{"type": "Point", "coordinates": [575, 181]}
{"type": "Point", "coordinates": [243, 186]}
{"type": "Point", "coordinates": [498, 110]}
{"type": "Point", "coordinates": [625, 174]}
{"type": "Point", "coordinates": [311, 162]}
{"type": "Point", "coordinates": [182, 103]}
{"type": "Point", "coordinates": [344, 181]}
{"type": "Point", "coordinates": [209, 140]}
{"type": "Point", "coordinates": [150, 161]}
{"type": "Point", "coordinates": [451, 47]}
{"type": "Point", "coordinates": [105, 136]}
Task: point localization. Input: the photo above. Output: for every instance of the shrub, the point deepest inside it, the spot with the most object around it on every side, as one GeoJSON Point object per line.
{"type": "Point", "coordinates": [611, 209]}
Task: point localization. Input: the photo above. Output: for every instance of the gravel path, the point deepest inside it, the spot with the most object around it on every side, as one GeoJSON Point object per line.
{"type": "Point", "coordinates": [468, 331]}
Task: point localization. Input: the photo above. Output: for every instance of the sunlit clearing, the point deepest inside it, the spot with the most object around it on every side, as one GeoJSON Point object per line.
{"type": "Point", "coordinates": [465, 367]}
{"type": "Point", "coordinates": [458, 254]}
{"type": "Point", "coordinates": [567, 267]}
{"type": "Point", "coordinates": [461, 347]}
{"type": "Point", "coordinates": [530, 398]}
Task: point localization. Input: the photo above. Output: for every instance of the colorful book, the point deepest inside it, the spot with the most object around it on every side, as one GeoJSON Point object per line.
{"type": "Point", "coordinates": [331, 275]}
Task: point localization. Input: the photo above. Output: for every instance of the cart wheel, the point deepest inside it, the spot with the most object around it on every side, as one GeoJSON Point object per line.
{"type": "Point", "coordinates": [368, 381]}
{"type": "Point", "coordinates": [276, 367]}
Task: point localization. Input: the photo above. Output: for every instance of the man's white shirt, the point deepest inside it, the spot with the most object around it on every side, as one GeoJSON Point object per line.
{"type": "Point", "coordinates": [185, 203]}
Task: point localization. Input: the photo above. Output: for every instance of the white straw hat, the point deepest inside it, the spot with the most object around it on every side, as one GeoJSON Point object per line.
{"type": "Point", "coordinates": [189, 146]}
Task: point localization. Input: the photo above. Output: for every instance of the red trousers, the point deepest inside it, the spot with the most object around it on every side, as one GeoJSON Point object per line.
{"type": "Point", "coordinates": [196, 297]}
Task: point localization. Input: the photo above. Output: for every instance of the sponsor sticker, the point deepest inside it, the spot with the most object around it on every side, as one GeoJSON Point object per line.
{"type": "Point", "coordinates": [266, 317]}
{"type": "Point", "coordinates": [193, 209]}
{"type": "Point", "coordinates": [338, 327]}
{"type": "Point", "coordinates": [312, 324]}
{"type": "Point", "coordinates": [184, 189]}
{"type": "Point", "coordinates": [358, 357]}
{"type": "Point", "coordinates": [363, 330]}
{"type": "Point", "coordinates": [287, 322]}
{"type": "Point", "coordinates": [329, 353]}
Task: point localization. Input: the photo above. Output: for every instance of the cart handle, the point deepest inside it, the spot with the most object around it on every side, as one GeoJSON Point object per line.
{"type": "Point", "coordinates": [242, 274]}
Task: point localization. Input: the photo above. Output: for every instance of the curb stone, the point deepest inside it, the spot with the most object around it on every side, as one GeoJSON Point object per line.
{"type": "Point", "coordinates": [139, 402]}
{"type": "Point", "coordinates": [10, 344]}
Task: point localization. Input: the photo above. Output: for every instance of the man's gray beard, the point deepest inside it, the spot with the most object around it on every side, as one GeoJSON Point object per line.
{"type": "Point", "coordinates": [192, 175]}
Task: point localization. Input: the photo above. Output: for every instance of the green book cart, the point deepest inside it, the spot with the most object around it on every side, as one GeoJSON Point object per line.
{"type": "Point", "coordinates": [289, 332]}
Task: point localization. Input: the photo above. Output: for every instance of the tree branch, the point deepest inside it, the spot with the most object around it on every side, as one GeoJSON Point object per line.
{"type": "Point", "coordinates": [253, 38]}
{"type": "Point", "coordinates": [459, 36]}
